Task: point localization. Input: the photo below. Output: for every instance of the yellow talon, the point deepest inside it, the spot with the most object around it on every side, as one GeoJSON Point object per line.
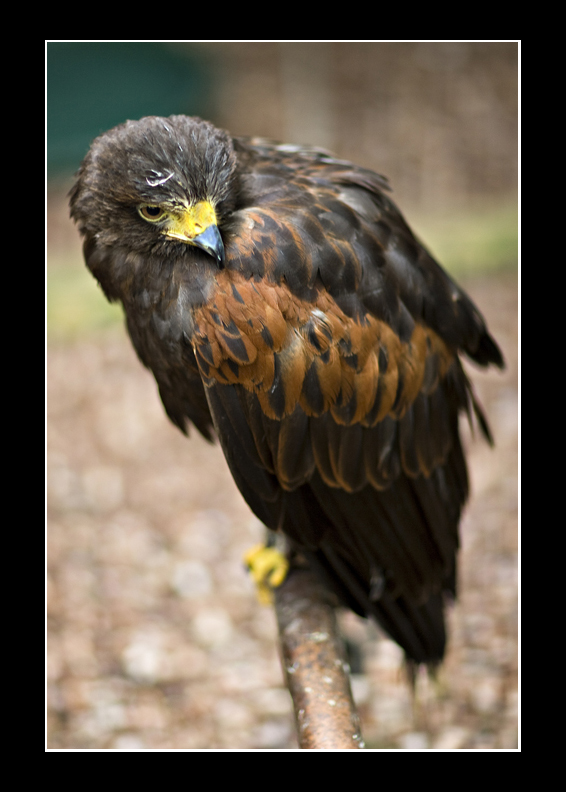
{"type": "Point", "coordinates": [268, 568]}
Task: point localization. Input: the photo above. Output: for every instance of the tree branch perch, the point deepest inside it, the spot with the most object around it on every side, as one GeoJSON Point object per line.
{"type": "Point", "coordinates": [315, 666]}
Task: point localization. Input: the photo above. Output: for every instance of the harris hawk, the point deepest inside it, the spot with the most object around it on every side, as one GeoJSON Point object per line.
{"type": "Point", "coordinates": [282, 303]}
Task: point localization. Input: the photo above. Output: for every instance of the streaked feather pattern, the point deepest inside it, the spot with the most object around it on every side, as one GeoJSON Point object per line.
{"type": "Point", "coordinates": [325, 351]}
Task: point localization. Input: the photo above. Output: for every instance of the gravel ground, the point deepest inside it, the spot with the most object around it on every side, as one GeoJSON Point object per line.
{"type": "Point", "coordinates": [155, 636]}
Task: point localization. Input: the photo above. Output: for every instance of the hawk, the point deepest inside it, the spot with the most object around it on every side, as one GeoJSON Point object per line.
{"type": "Point", "coordinates": [284, 305]}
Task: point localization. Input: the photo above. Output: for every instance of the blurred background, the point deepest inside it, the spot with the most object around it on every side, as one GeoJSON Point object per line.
{"type": "Point", "coordinates": [156, 639]}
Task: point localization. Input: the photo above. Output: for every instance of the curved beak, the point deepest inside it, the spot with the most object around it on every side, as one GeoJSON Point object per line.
{"type": "Point", "coordinates": [211, 242]}
{"type": "Point", "coordinates": [196, 225]}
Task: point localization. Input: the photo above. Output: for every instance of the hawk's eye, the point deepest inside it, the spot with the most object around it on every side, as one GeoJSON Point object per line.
{"type": "Point", "coordinates": [151, 213]}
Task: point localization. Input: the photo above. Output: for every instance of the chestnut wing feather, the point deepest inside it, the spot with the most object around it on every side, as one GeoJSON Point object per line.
{"type": "Point", "coordinates": [329, 353]}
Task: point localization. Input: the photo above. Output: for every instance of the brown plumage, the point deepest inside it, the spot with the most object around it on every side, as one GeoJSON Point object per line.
{"type": "Point", "coordinates": [278, 295]}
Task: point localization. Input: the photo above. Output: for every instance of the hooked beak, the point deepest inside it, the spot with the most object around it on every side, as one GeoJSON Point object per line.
{"type": "Point", "coordinates": [196, 225]}
{"type": "Point", "coordinates": [211, 242]}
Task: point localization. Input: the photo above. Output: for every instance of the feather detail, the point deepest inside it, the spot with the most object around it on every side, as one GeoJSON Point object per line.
{"type": "Point", "coordinates": [289, 352]}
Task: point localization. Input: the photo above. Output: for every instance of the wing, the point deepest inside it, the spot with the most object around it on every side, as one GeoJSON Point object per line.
{"type": "Point", "coordinates": [329, 354]}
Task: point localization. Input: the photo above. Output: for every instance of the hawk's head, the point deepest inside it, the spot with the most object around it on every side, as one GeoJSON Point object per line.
{"type": "Point", "coordinates": [149, 183]}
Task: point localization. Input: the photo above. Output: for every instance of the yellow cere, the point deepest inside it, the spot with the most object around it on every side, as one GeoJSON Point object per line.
{"type": "Point", "coordinates": [193, 221]}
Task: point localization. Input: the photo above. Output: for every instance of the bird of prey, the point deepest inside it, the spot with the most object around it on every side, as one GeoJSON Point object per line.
{"type": "Point", "coordinates": [283, 304]}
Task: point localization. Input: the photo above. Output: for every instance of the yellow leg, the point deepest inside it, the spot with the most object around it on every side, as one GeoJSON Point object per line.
{"type": "Point", "coordinates": [268, 568]}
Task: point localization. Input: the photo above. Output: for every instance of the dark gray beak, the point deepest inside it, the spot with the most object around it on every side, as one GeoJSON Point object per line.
{"type": "Point", "coordinates": [211, 242]}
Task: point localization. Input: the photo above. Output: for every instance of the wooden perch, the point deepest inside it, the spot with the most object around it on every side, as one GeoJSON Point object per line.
{"type": "Point", "coordinates": [314, 664]}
